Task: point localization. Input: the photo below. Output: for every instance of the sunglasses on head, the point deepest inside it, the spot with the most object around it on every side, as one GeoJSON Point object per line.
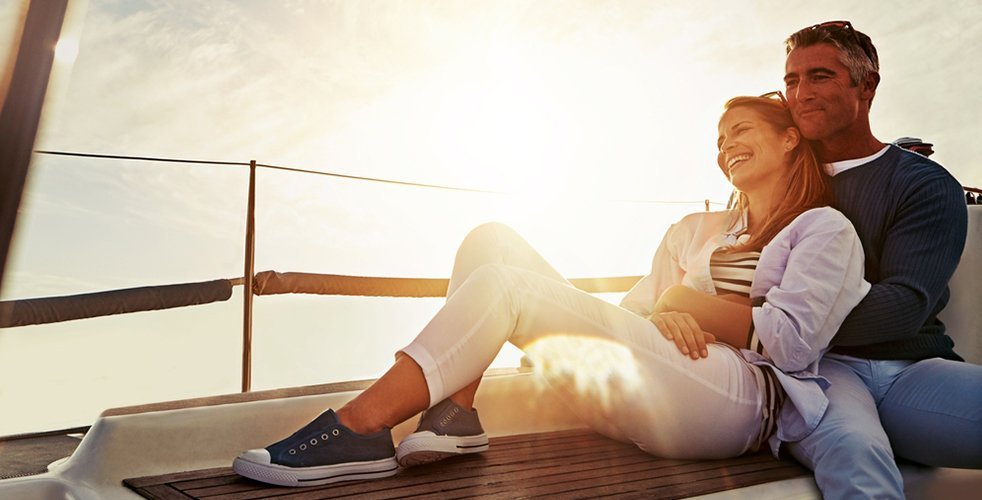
{"type": "Point", "coordinates": [836, 28]}
{"type": "Point", "coordinates": [772, 95]}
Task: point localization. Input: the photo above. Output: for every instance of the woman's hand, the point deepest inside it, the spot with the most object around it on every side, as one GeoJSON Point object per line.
{"type": "Point", "coordinates": [728, 317]}
{"type": "Point", "coordinates": [682, 328]}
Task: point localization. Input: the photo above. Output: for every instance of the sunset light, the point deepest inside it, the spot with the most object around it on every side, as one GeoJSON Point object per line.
{"type": "Point", "coordinates": [589, 127]}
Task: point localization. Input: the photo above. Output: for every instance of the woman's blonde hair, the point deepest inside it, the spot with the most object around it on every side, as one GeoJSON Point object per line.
{"type": "Point", "coordinates": [808, 185]}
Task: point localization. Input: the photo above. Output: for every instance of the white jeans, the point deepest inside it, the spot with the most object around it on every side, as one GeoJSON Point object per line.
{"type": "Point", "coordinates": [613, 367]}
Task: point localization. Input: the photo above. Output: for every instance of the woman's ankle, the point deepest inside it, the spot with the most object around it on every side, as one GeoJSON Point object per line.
{"type": "Point", "coordinates": [350, 417]}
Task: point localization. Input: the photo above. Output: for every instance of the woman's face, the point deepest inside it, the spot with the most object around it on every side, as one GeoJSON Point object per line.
{"type": "Point", "coordinates": [751, 153]}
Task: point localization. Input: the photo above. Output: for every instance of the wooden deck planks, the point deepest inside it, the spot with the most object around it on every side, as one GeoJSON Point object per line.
{"type": "Point", "coordinates": [570, 464]}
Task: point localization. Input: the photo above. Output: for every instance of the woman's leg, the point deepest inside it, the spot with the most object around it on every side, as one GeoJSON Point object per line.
{"type": "Point", "coordinates": [396, 396]}
{"type": "Point", "coordinates": [496, 243]}
{"type": "Point", "coordinates": [401, 392]}
{"type": "Point", "coordinates": [613, 367]}
{"type": "Point", "coordinates": [483, 311]}
{"type": "Point", "coordinates": [493, 243]}
{"type": "Point", "coordinates": [616, 371]}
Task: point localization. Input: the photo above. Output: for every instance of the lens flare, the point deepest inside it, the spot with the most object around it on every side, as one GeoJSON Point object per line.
{"type": "Point", "coordinates": [66, 50]}
{"type": "Point", "coordinates": [597, 372]}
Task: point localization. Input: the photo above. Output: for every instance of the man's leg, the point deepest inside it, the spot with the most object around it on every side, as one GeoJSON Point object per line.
{"type": "Point", "coordinates": [849, 451]}
{"type": "Point", "coordinates": [933, 413]}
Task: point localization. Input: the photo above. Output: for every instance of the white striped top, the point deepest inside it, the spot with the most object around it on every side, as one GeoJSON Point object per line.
{"type": "Point", "coordinates": [734, 273]}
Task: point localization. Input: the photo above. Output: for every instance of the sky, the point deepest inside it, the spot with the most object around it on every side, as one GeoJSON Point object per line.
{"type": "Point", "coordinates": [597, 118]}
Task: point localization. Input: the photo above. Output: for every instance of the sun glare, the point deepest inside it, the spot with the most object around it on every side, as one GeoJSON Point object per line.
{"type": "Point", "coordinates": [590, 367]}
{"type": "Point", "coordinates": [530, 117]}
{"type": "Point", "coordinates": [596, 376]}
{"type": "Point", "coordinates": [66, 50]}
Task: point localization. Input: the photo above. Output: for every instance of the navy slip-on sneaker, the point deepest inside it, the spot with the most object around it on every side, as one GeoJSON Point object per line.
{"type": "Point", "coordinates": [443, 431]}
{"type": "Point", "coordinates": [322, 452]}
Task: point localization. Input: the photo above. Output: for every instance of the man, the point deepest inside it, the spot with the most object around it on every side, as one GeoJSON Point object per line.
{"type": "Point", "coordinates": [897, 387]}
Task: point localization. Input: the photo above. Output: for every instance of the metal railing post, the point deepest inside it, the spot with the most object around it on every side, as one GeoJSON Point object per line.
{"type": "Point", "coordinates": [250, 266]}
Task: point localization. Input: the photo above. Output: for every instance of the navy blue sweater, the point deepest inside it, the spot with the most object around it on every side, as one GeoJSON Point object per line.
{"type": "Point", "coordinates": [911, 217]}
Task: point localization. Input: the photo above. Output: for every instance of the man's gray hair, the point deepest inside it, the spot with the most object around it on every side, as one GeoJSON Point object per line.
{"type": "Point", "coordinates": [856, 53]}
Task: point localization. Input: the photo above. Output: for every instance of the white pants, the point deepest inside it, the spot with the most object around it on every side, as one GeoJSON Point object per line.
{"type": "Point", "coordinates": [613, 368]}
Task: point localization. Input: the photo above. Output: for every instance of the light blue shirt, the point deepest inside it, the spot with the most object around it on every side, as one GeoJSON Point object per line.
{"type": "Point", "coordinates": [810, 276]}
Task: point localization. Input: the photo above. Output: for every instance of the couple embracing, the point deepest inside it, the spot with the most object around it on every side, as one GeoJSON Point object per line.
{"type": "Point", "coordinates": [809, 329]}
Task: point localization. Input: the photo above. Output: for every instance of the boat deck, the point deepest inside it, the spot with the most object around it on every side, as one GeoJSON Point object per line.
{"type": "Point", "coordinates": [566, 464]}
{"type": "Point", "coordinates": [184, 450]}
{"type": "Point", "coordinates": [29, 455]}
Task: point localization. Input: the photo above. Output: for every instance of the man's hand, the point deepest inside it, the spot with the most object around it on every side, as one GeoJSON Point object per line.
{"type": "Point", "coordinates": [682, 329]}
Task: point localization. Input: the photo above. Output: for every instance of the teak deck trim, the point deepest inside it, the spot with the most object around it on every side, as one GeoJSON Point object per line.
{"type": "Point", "coordinates": [568, 464]}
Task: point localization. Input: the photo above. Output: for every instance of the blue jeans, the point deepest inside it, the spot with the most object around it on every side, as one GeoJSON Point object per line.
{"type": "Point", "coordinates": [928, 412]}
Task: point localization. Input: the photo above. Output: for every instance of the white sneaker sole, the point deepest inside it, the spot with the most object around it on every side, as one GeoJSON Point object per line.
{"type": "Point", "coordinates": [424, 447]}
{"type": "Point", "coordinates": [311, 476]}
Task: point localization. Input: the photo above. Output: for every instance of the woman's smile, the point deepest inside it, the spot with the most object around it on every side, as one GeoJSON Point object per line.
{"type": "Point", "coordinates": [736, 160]}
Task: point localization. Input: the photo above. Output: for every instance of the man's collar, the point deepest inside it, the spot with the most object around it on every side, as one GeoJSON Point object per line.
{"type": "Point", "coordinates": [838, 167]}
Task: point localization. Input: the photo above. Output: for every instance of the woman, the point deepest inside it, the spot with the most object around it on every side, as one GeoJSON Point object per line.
{"type": "Point", "coordinates": [702, 287]}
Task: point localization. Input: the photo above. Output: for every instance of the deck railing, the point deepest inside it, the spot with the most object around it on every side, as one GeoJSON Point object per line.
{"type": "Point", "coordinates": [55, 309]}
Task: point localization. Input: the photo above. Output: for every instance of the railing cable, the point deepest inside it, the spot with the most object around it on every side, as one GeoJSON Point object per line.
{"type": "Point", "coordinates": [375, 179]}
{"type": "Point", "coordinates": [342, 176]}
{"type": "Point", "coordinates": [141, 158]}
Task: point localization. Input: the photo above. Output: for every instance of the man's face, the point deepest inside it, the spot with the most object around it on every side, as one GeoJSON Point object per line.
{"type": "Point", "coordinates": [821, 96]}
